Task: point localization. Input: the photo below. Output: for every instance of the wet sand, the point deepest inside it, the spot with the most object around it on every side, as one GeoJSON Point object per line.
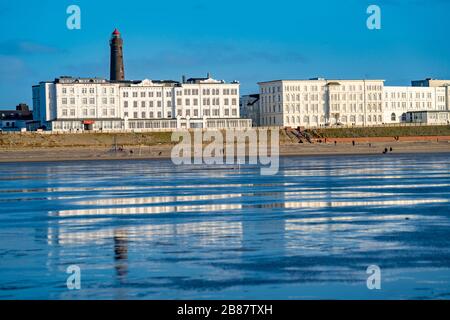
{"type": "Point", "coordinates": [342, 147]}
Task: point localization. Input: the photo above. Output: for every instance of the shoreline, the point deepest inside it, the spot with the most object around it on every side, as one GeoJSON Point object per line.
{"type": "Point", "coordinates": [163, 152]}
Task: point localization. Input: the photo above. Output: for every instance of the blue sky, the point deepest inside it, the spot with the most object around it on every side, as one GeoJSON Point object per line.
{"type": "Point", "coordinates": [243, 40]}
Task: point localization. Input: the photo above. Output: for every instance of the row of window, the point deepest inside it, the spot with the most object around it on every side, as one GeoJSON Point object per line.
{"type": "Point", "coordinates": [186, 92]}
{"type": "Point", "coordinates": [145, 94]}
{"type": "Point", "coordinates": [88, 112]}
{"type": "Point", "coordinates": [145, 115]}
{"type": "Point", "coordinates": [207, 113]}
{"type": "Point", "coordinates": [404, 105]}
{"type": "Point", "coordinates": [72, 90]}
{"type": "Point", "coordinates": [187, 102]}
{"type": "Point", "coordinates": [404, 95]}
{"type": "Point", "coordinates": [144, 104]}
{"type": "Point", "coordinates": [315, 88]}
{"type": "Point", "coordinates": [85, 101]}
{"type": "Point", "coordinates": [343, 119]}
{"type": "Point", "coordinates": [207, 92]}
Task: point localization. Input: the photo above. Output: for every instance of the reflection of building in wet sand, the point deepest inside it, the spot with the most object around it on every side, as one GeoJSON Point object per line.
{"type": "Point", "coordinates": [154, 205]}
{"type": "Point", "coordinates": [121, 253]}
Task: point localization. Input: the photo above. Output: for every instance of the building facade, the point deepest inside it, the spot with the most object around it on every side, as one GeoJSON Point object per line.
{"type": "Point", "coordinates": [76, 104]}
{"type": "Point", "coordinates": [16, 120]}
{"type": "Point", "coordinates": [319, 102]}
{"type": "Point", "coordinates": [250, 108]}
{"type": "Point", "coordinates": [86, 104]}
{"type": "Point", "coordinates": [398, 101]}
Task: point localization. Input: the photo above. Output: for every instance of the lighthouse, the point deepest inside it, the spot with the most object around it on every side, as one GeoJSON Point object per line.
{"type": "Point", "coordinates": [117, 68]}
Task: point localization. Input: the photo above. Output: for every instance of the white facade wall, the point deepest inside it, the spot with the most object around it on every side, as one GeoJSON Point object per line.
{"type": "Point", "coordinates": [398, 101]}
{"type": "Point", "coordinates": [68, 103]}
{"type": "Point", "coordinates": [314, 103]}
{"type": "Point", "coordinates": [320, 102]}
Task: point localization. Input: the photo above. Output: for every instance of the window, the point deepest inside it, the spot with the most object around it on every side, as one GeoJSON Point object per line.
{"type": "Point", "coordinates": [393, 117]}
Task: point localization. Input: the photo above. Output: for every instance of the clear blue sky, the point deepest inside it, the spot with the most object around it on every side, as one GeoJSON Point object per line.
{"type": "Point", "coordinates": [245, 40]}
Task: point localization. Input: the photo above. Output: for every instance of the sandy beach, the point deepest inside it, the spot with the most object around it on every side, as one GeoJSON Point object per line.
{"type": "Point", "coordinates": [342, 147]}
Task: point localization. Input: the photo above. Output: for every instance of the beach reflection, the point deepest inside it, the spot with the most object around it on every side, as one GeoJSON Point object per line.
{"type": "Point", "coordinates": [147, 229]}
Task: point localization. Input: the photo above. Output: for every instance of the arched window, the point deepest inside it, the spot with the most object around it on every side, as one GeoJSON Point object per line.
{"type": "Point", "coordinates": [393, 117]}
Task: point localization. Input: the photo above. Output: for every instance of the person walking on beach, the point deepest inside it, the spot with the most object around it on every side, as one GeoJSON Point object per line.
{"type": "Point", "coordinates": [353, 142]}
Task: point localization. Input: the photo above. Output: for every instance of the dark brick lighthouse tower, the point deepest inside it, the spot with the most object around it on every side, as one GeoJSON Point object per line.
{"type": "Point", "coordinates": [117, 69]}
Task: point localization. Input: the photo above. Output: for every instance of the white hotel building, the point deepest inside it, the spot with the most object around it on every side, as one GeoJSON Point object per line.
{"type": "Point", "coordinates": [319, 102]}
{"type": "Point", "coordinates": [78, 104]}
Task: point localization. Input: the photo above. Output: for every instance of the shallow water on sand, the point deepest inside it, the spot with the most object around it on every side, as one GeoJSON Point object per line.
{"type": "Point", "coordinates": [151, 230]}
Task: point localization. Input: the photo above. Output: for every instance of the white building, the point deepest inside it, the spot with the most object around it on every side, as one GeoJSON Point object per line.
{"type": "Point", "coordinates": [76, 104]}
{"type": "Point", "coordinates": [319, 102]}
{"type": "Point", "coordinates": [398, 101]}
